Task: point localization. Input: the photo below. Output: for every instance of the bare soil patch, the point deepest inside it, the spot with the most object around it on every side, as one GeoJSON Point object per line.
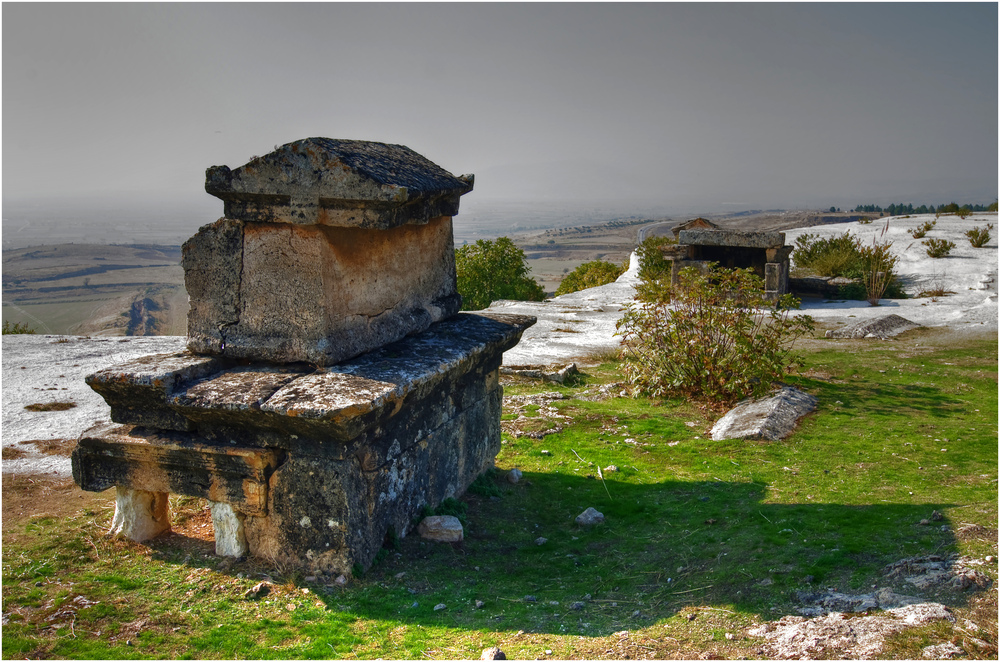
{"type": "Point", "coordinates": [50, 406]}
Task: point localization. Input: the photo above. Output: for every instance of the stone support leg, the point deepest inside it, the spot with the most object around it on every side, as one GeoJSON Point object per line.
{"type": "Point", "coordinates": [140, 515]}
{"type": "Point", "coordinates": [230, 536]}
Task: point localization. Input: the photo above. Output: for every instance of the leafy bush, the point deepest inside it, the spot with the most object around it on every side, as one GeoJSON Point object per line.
{"type": "Point", "coordinates": [590, 274]}
{"type": "Point", "coordinates": [489, 270]}
{"type": "Point", "coordinates": [837, 262]}
{"type": "Point", "coordinates": [720, 340]}
{"type": "Point", "coordinates": [654, 269]}
{"type": "Point", "coordinates": [839, 255]}
{"type": "Point", "coordinates": [938, 247]}
{"type": "Point", "coordinates": [979, 236]}
{"type": "Point", "coordinates": [652, 264]}
{"type": "Point", "coordinates": [17, 327]}
{"type": "Point", "coordinates": [921, 230]}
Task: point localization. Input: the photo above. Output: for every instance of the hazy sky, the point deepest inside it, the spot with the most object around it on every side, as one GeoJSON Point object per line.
{"type": "Point", "coordinates": [745, 105]}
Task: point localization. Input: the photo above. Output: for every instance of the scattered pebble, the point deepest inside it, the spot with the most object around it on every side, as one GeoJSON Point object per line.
{"type": "Point", "coordinates": [541, 541]}
{"type": "Point", "coordinates": [513, 477]}
{"type": "Point", "coordinates": [440, 606]}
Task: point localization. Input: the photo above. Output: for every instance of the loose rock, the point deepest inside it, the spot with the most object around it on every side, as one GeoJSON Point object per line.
{"type": "Point", "coordinates": [441, 528]}
{"type": "Point", "coordinates": [882, 328]}
{"type": "Point", "coordinates": [589, 517]}
{"type": "Point", "coordinates": [514, 476]}
{"type": "Point", "coordinates": [771, 418]}
{"type": "Point", "coordinates": [493, 653]}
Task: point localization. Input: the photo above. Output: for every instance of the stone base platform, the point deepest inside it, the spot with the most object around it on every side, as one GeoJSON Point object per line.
{"type": "Point", "coordinates": [303, 465]}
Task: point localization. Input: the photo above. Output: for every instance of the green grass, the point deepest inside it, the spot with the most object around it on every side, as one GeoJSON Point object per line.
{"type": "Point", "coordinates": [702, 538]}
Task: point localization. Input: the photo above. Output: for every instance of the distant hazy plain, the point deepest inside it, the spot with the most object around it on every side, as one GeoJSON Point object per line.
{"type": "Point", "coordinates": [138, 220]}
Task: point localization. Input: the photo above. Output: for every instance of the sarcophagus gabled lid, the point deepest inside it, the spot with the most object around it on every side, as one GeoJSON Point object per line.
{"type": "Point", "coordinates": [345, 183]}
{"type": "Point", "coordinates": [328, 249]}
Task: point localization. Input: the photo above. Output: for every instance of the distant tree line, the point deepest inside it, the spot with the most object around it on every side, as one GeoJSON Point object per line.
{"type": "Point", "coordinates": [950, 208]}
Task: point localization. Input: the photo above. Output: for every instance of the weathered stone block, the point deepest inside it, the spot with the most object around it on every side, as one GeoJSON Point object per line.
{"type": "Point", "coordinates": [314, 293]}
{"type": "Point", "coordinates": [775, 279]}
{"type": "Point", "coordinates": [733, 238]}
{"type": "Point", "coordinates": [173, 462]}
{"type": "Point", "coordinates": [137, 391]}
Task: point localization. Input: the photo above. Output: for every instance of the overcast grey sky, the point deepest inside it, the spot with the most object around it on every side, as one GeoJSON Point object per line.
{"type": "Point", "coordinates": [748, 105]}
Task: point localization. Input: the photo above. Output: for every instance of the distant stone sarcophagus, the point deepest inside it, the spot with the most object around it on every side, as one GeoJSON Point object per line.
{"type": "Point", "coordinates": [328, 248]}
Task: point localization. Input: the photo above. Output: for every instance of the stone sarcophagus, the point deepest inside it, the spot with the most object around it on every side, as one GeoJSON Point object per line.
{"type": "Point", "coordinates": [764, 252]}
{"type": "Point", "coordinates": [330, 389]}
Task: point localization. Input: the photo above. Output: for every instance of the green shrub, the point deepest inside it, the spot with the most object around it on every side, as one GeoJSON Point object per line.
{"type": "Point", "coordinates": [654, 269]}
{"type": "Point", "coordinates": [921, 230]}
{"type": "Point", "coordinates": [590, 274]}
{"type": "Point", "coordinates": [834, 256]}
{"type": "Point", "coordinates": [17, 327]}
{"type": "Point", "coordinates": [652, 264]}
{"type": "Point", "coordinates": [979, 236]}
{"type": "Point", "coordinates": [938, 247]}
{"type": "Point", "coordinates": [489, 270]}
{"type": "Point", "coordinates": [719, 340]}
{"type": "Point", "coordinates": [878, 263]}
{"type": "Point", "coordinates": [838, 262]}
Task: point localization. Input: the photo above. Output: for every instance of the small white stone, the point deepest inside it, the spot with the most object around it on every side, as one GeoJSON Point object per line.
{"type": "Point", "coordinates": [140, 515]}
{"type": "Point", "coordinates": [230, 536]}
{"type": "Point", "coordinates": [514, 476]}
{"type": "Point", "coordinates": [305, 522]}
{"type": "Point", "coordinates": [440, 606]}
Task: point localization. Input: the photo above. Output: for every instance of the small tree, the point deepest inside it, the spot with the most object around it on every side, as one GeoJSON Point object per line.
{"type": "Point", "coordinates": [590, 274]}
{"type": "Point", "coordinates": [489, 270]}
{"type": "Point", "coordinates": [719, 340]}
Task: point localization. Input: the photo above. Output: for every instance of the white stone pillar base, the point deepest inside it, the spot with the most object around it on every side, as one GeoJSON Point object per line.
{"type": "Point", "coordinates": [230, 536]}
{"type": "Point", "coordinates": [140, 515]}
